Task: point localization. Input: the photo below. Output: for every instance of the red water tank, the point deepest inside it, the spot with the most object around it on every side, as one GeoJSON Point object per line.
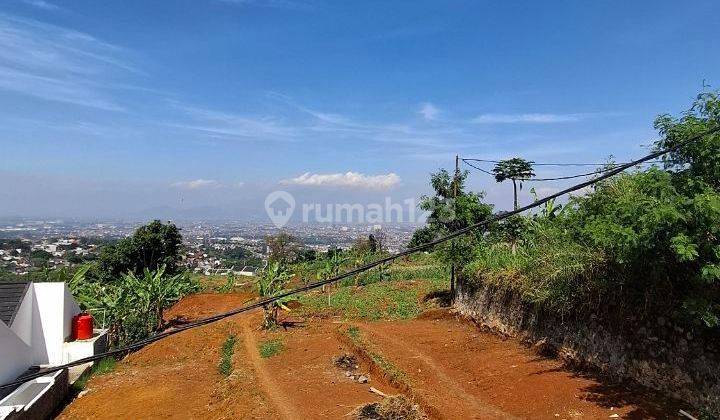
{"type": "Point", "coordinates": [82, 326]}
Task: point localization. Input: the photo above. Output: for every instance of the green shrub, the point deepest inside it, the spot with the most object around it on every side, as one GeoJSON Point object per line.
{"type": "Point", "coordinates": [648, 241]}
{"type": "Point", "coordinates": [271, 348]}
{"type": "Point", "coordinates": [226, 353]}
{"type": "Point", "coordinates": [548, 268]}
{"type": "Point", "coordinates": [102, 367]}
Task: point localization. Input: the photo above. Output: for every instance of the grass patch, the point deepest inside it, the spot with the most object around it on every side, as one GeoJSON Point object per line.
{"type": "Point", "coordinates": [216, 283]}
{"type": "Point", "coordinates": [353, 332]}
{"type": "Point", "coordinates": [105, 366]}
{"type": "Point", "coordinates": [559, 275]}
{"type": "Point", "coordinates": [271, 348]}
{"type": "Point", "coordinates": [102, 367]}
{"type": "Point", "coordinates": [397, 298]}
{"type": "Point", "coordinates": [225, 366]}
{"type": "Point", "coordinates": [392, 372]}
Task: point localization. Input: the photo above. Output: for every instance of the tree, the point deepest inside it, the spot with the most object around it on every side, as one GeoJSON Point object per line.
{"type": "Point", "coordinates": [449, 211]}
{"type": "Point", "coordinates": [75, 259]}
{"type": "Point", "coordinates": [700, 159]}
{"type": "Point", "coordinates": [515, 169]}
{"type": "Point", "coordinates": [370, 245]}
{"type": "Point", "coordinates": [307, 255]}
{"type": "Point", "coordinates": [377, 241]}
{"type": "Point", "coordinates": [39, 254]}
{"type": "Point", "coordinates": [284, 248]}
{"type": "Point", "coordinates": [150, 247]}
{"type": "Point", "coordinates": [40, 258]}
{"type": "Point", "coordinates": [158, 245]}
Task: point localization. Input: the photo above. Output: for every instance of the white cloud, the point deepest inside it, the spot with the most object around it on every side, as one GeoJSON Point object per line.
{"type": "Point", "coordinates": [234, 126]}
{"type": "Point", "coordinates": [527, 118]}
{"type": "Point", "coordinates": [429, 111]}
{"type": "Point", "coordinates": [53, 89]}
{"type": "Point", "coordinates": [197, 184]}
{"type": "Point", "coordinates": [346, 180]}
{"type": "Point", "coordinates": [58, 64]}
{"type": "Point", "coordinates": [345, 127]}
{"type": "Point", "coordinates": [227, 125]}
{"type": "Point", "coordinates": [41, 4]}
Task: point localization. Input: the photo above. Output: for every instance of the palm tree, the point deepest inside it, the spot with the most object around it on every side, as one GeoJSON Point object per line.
{"type": "Point", "coordinates": [516, 169]}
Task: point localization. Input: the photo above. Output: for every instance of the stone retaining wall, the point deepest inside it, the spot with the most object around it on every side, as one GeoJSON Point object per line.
{"type": "Point", "coordinates": [680, 361]}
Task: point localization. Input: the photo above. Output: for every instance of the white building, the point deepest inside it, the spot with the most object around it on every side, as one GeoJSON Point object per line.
{"type": "Point", "coordinates": [35, 329]}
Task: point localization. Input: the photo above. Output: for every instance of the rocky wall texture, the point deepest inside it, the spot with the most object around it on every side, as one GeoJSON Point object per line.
{"type": "Point", "coordinates": [681, 361]}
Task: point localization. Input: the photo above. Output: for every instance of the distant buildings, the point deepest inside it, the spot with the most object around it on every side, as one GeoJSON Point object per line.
{"type": "Point", "coordinates": [205, 242]}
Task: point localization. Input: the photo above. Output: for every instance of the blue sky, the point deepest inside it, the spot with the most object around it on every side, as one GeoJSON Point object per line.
{"type": "Point", "coordinates": [201, 108]}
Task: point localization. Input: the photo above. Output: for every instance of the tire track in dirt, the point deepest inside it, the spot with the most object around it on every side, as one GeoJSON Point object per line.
{"type": "Point", "coordinates": [450, 386]}
{"type": "Point", "coordinates": [281, 402]}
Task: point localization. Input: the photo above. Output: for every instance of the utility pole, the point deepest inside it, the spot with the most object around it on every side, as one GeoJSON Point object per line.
{"type": "Point", "coordinates": [456, 179]}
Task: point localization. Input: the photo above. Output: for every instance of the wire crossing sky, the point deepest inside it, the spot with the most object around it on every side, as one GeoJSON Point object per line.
{"type": "Point", "coordinates": [200, 109]}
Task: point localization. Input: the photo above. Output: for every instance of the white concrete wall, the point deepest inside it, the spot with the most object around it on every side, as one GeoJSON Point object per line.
{"type": "Point", "coordinates": [41, 325]}
{"type": "Point", "coordinates": [15, 354]}
{"type": "Point", "coordinates": [71, 308]}
{"type": "Point", "coordinates": [52, 319]}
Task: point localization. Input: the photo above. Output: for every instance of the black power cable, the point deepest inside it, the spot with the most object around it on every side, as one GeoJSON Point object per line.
{"type": "Point", "coordinates": [555, 164]}
{"type": "Point", "coordinates": [477, 167]}
{"type": "Point", "coordinates": [531, 179]}
{"type": "Point", "coordinates": [368, 266]}
{"type": "Point", "coordinates": [597, 171]}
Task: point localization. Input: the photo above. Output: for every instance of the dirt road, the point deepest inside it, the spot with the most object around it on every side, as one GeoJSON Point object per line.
{"type": "Point", "coordinates": [452, 369]}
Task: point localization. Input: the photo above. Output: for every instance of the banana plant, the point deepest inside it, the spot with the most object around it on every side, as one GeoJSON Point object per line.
{"type": "Point", "coordinates": [331, 269]}
{"type": "Point", "coordinates": [132, 307]}
{"type": "Point", "coordinates": [550, 210]}
{"type": "Point", "coordinates": [272, 282]}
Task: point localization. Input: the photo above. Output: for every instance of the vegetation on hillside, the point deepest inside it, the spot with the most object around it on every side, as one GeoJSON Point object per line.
{"type": "Point", "coordinates": [151, 246]}
{"type": "Point", "coordinates": [451, 208]}
{"type": "Point", "coordinates": [401, 294]}
{"type": "Point", "coordinates": [131, 307]}
{"type": "Point", "coordinates": [646, 240]}
{"type": "Point", "coordinates": [129, 287]}
{"type": "Point", "coordinates": [130, 284]}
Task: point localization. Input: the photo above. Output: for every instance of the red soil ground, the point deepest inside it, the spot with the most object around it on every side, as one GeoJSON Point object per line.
{"type": "Point", "coordinates": [455, 370]}
{"type": "Point", "coordinates": [464, 373]}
